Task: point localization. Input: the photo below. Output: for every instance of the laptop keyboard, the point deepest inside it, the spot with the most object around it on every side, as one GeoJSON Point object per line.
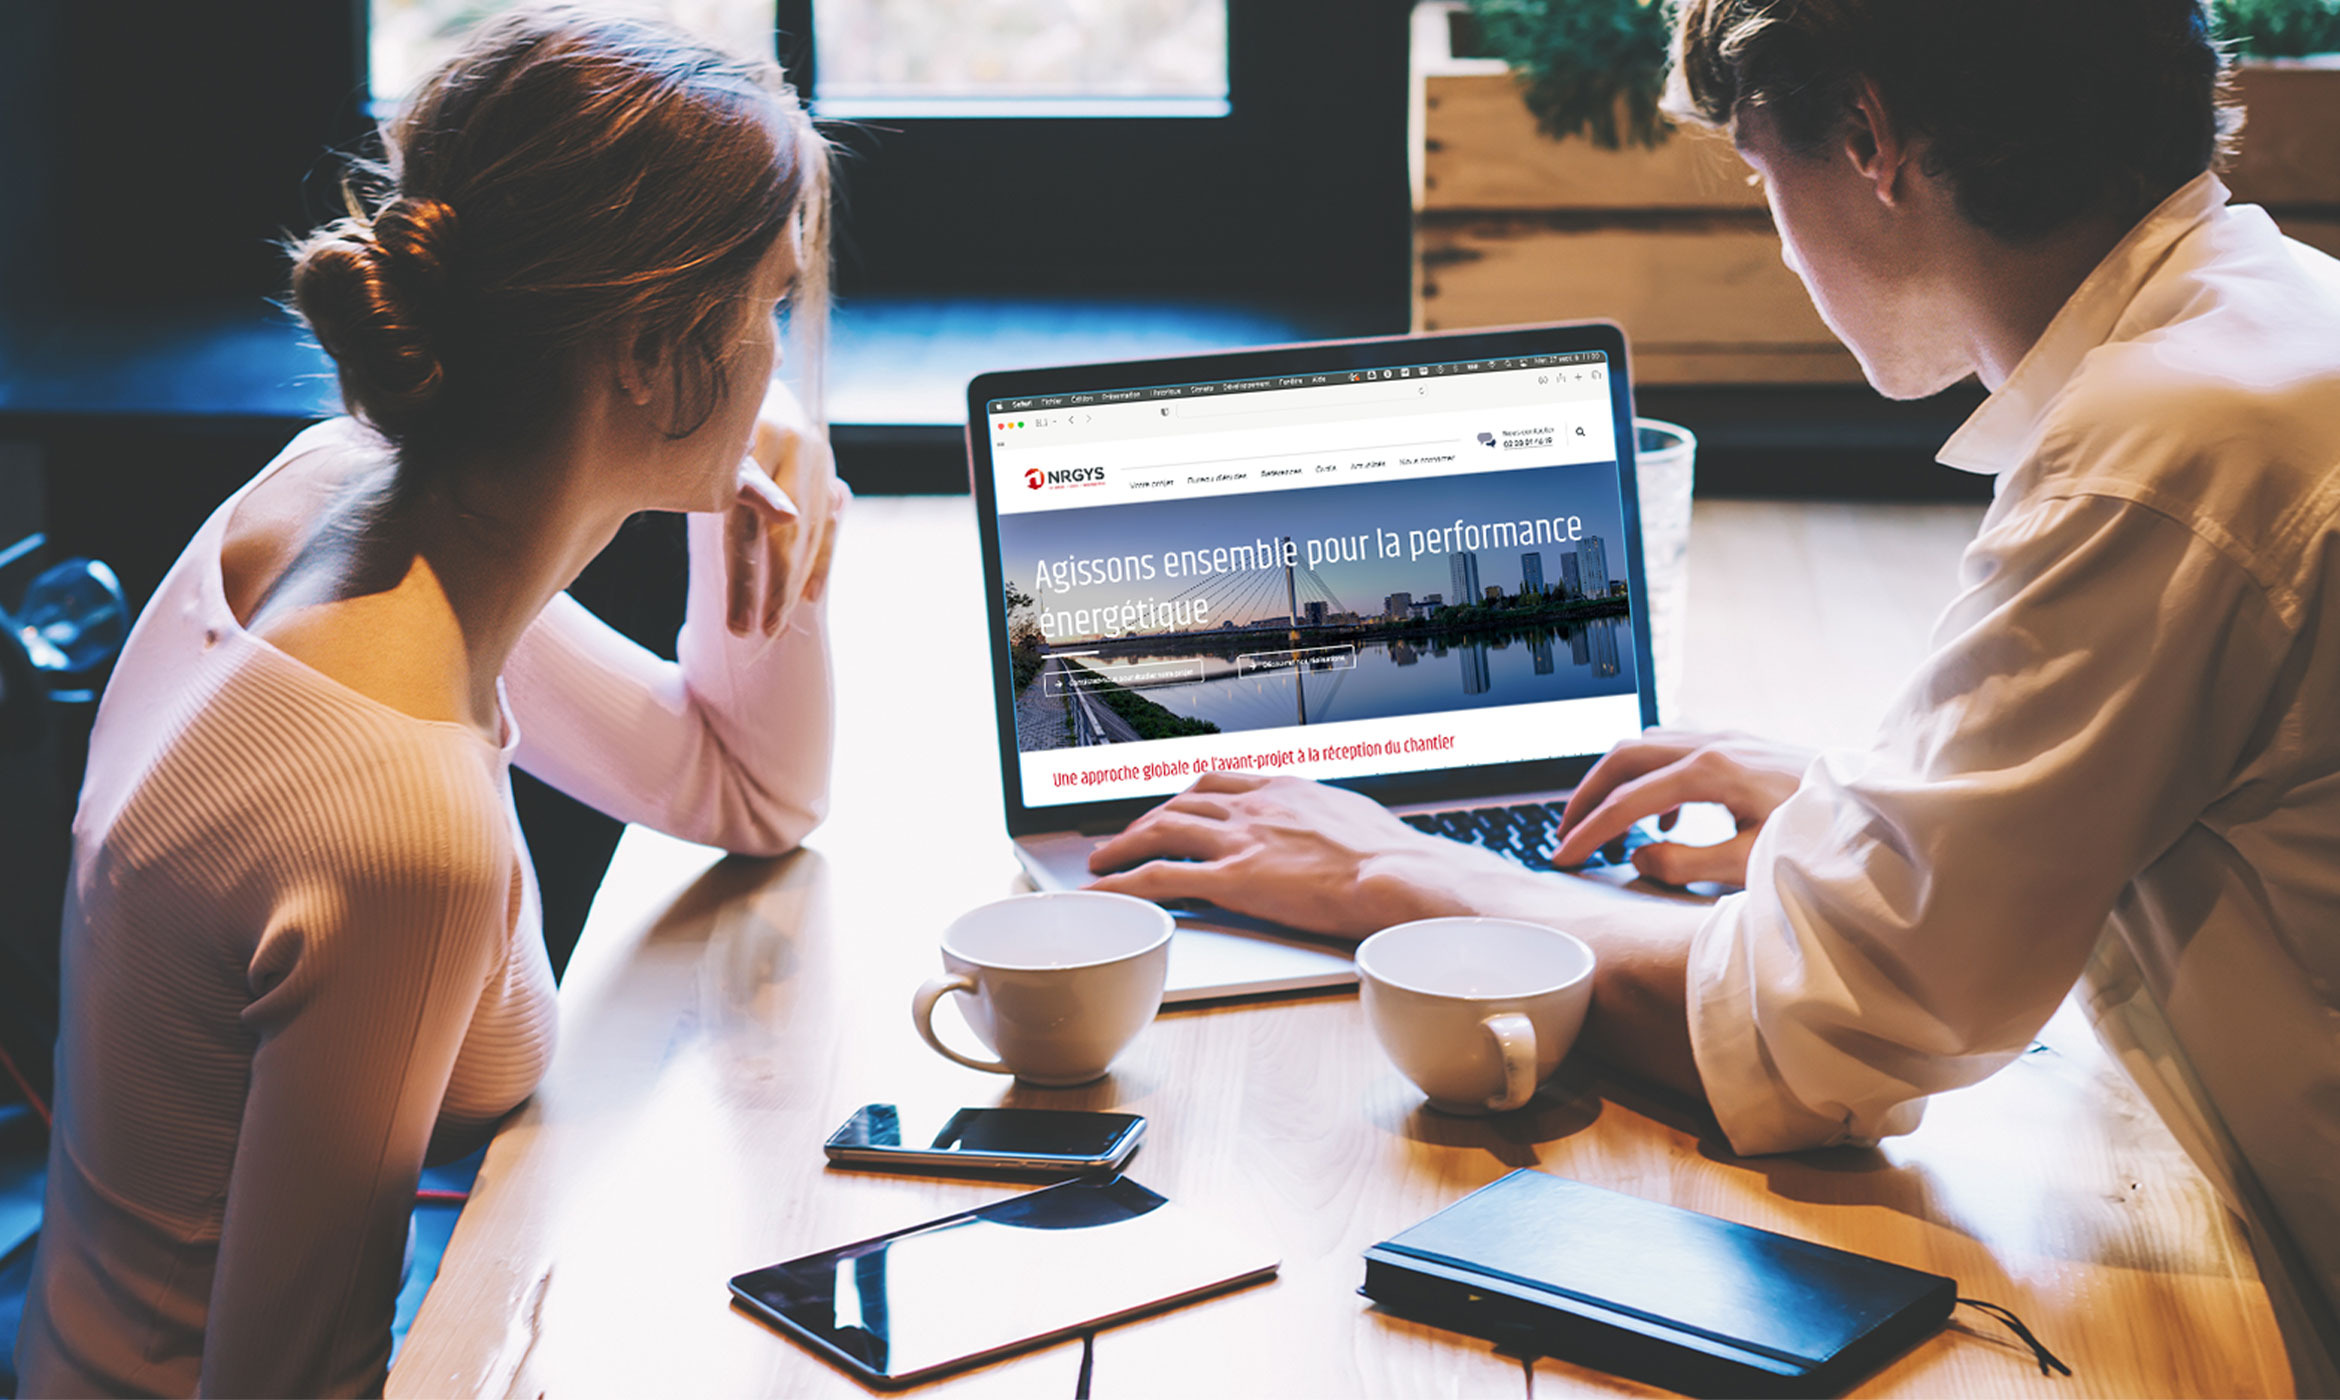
{"type": "Point", "coordinates": [1526, 833]}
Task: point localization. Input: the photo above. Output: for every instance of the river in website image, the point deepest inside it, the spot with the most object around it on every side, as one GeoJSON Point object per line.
{"type": "Point", "coordinates": [1262, 689]}
{"type": "Point", "coordinates": [1200, 615]}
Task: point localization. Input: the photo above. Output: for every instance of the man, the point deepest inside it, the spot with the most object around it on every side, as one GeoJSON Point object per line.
{"type": "Point", "coordinates": [2120, 766]}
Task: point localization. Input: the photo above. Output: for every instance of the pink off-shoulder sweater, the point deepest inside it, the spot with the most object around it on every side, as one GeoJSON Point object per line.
{"type": "Point", "coordinates": [302, 940]}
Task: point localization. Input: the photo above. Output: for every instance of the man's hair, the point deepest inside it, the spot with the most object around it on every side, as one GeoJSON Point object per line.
{"type": "Point", "coordinates": [2037, 112]}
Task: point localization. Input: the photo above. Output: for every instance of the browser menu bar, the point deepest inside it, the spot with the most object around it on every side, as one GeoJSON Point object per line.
{"type": "Point", "coordinates": [1218, 388]}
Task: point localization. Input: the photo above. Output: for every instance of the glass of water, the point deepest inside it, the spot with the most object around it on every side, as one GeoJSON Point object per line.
{"type": "Point", "coordinates": [1663, 453]}
{"type": "Point", "coordinates": [73, 618]}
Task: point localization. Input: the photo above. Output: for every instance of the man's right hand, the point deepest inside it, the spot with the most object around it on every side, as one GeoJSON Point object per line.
{"type": "Point", "coordinates": [1655, 774]}
{"type": "Point", "coordinates": [1294, 852]}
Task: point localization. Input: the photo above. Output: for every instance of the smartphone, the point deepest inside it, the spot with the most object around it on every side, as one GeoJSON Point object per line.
{"type": "Point", "coordinates": [1062, 1141]}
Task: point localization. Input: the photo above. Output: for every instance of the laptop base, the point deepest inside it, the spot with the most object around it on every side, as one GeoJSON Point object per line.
{"type": "Point", "coordinates": [1215, 954]}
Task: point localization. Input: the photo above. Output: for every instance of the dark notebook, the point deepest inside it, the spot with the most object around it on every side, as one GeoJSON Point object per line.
{"type": "Point", "coordinates": [1682, 1300]}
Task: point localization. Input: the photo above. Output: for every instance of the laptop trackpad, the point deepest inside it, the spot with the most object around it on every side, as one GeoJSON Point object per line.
{"type": "Point", "coordinates": [1215, 953]}
{"type": "Point", "coordinates": [1209, 958]}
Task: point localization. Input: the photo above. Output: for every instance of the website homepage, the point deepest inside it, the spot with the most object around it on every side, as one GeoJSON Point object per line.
{"type": "Point", "coordinates": [1335, 576]}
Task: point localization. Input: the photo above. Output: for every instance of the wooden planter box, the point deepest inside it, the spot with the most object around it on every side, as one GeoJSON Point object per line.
{"type": "Point", "coordinates": [1675, 244]}
{"type": "Point", "coordinates": [2290, 155]}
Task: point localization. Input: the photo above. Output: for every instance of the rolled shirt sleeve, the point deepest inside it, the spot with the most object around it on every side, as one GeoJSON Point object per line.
{"type": "Point", "coordinates": [1913, 914]}
{"type": "Point", "coordinates": [729, 746]}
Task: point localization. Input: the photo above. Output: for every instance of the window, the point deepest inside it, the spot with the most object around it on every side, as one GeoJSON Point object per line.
{"type": "Point", "coordinates": [406, 39]}
{"type": "Point", "coordinates": [1295, 198]}
{"type": "Point", "coordinates": [911, 58]}
{"type": "Point", "coordinates": [993, 151]}
{"type": "Point", "coordinates": [1037, 58]}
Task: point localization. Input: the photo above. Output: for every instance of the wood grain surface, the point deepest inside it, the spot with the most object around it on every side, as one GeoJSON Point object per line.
{"type": "Point", "coordinates": [1482, 151]}
{"type": "Point", "coordinates": [722, 1015]}
{"type": "Point", "coordinates": [1706, 299]}
{"type": "Point", "coordinates": [2286, 157]}
{"type": "Point", "coordinates": [1675, 243]}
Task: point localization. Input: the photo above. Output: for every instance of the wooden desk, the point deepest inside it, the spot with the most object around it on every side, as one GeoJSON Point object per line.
{"type": "Point", "coordinates": [723, 1015]}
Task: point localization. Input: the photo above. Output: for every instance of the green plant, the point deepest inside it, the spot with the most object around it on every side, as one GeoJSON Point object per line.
{"type": "Point", "coordinates": [1598, 67]}
{"type": "Point", "coordinates": [1027, 650]}
{"type": "Point", "coordinates": [1590, 66]}
{"type": "Point", "coordinates": [2278, 28]}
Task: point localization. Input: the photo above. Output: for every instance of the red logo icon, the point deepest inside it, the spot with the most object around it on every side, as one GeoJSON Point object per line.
{"type": "Point", "coordinates": [1035, 478]}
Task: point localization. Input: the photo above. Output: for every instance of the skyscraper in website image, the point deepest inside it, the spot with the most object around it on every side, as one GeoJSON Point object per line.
{"type": "Point", "coordinates": [1593, 562]}
{"type": "Point", "coordinates": [1465, 564]}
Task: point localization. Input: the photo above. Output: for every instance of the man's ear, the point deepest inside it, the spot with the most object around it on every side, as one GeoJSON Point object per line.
{"type": "Point", "coordinates": [1875, 143]}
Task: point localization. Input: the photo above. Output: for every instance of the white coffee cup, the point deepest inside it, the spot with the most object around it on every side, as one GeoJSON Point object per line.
{"type": "Point", "coordinates": [1477, 1012]}
{"type": "Point", "coordinates": [1055, 984]}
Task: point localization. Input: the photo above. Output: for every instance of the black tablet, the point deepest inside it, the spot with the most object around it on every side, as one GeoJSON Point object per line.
{"type": "Point", "coordinates": [1013, 1274]}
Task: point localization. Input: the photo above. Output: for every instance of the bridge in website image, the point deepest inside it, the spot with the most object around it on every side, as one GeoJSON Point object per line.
{"type": "Point", "coordinates": [1076, 695]}
{"type": "Point", "coordinates": [1278, 647]}
{"type": "Point", "coordinates": [1290, 605]}
{"type": "Point", "coordinates": [1091, 722]}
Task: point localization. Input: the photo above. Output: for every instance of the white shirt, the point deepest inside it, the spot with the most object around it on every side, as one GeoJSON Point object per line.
{"type": "Point", "coordinates": [2120, 764]}
{"type": "Point", "coordinates": [302, 942]}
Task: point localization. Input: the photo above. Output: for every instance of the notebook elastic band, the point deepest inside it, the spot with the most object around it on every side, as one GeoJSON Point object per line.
{"type": "Point", "coordinates": [2047, 1359]}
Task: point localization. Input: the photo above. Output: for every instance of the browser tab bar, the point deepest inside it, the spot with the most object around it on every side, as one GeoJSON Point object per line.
{"type": "Point", "coordinates": [1362, 374]}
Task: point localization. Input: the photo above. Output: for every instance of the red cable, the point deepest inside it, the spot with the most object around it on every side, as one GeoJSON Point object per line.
{"type": "Point", "coordinates": [25, 1087]}
{"type": "Point", "coordinates": [425, 1196]}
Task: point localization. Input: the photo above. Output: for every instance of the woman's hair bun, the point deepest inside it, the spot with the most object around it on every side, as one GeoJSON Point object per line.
{"type": "Point", "coordinates": [619, 184]}
{"type": "Point", "coordinates": [375, 290]}
{"type": "Point", "coordinates": [417, 240]}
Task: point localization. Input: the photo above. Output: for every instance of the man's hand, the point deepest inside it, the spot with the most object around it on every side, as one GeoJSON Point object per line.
{"type": "Point", "coordinates": [1656, 774]}
{"type": "Point", "coordinates": [1326, 859]}
{"type": "Point", "coordinates": [1295, 852]}
{"type": "Point", "coordinates": [782, 531]}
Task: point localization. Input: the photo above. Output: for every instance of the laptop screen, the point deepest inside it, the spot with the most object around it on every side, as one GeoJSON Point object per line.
{"type": "Point", "coordinates": [1339, 574]}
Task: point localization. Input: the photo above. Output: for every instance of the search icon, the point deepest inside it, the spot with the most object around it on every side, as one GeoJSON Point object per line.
{"type": "Point", "coordinates": [1580, 431]}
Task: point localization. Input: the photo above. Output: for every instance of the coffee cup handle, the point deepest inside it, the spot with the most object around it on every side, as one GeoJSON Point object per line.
{"type": "Point", "coordinates": [922, 1014]}
{"type": "Point", "coordinates": [1515, 1041]}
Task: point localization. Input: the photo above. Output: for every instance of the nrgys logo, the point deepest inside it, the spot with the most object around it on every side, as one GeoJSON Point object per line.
{"type": "Point", "coordinates": [1064, 476]}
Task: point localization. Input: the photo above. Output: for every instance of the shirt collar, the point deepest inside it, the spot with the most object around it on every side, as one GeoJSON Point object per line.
{"type": "Point", "coordinates": [1993, 438]}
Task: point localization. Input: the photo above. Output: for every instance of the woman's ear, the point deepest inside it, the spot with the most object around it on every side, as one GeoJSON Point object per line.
{"type": "Point", "coordinates": [641, 368]}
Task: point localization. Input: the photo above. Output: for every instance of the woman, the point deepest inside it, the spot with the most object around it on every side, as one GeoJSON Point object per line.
{"type": "Point", "coordinates": [302, 946]}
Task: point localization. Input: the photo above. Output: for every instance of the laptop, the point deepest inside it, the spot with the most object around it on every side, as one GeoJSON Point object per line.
{"type": "Point", "coordinates": [1408, 566]}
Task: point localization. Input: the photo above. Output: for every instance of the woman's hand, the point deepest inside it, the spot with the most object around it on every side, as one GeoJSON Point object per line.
{"type": "Point", "coordinates": [782, 529]}
{"type": "Point", "coordinates": [1295, 852]}
{"type": "Point", "coordinates": [1655, 775]}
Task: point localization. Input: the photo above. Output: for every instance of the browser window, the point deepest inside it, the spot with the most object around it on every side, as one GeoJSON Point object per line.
{"type": "Point", "coordinates": [1335, 575]}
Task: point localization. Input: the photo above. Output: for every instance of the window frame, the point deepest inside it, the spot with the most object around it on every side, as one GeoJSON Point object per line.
{"type": "Point", "coordinates": [1298, 196]}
